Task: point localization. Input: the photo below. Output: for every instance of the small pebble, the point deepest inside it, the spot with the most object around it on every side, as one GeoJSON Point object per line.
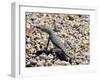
{"type": "Point", "coordinates": [72, 29]}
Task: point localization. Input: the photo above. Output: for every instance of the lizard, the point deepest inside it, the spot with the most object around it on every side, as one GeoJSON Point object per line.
{"type": "Point", "coordinates": [56, 42]}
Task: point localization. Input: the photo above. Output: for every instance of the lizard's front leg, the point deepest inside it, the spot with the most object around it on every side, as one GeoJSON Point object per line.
{"type": "Point", "coordinates": [47, 43]}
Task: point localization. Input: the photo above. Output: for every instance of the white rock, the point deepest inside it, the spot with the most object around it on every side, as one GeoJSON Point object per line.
{"type": "Point", "coordinates": [28, 40]}
{"type": "Point", "coordinates": [58, 62]}
{"type": "Point", "coordinates": [50, 56]}
{"type": "Point", "coordinates": [37, 58]}
{"type": "Point", "coordinates": [33, 61]}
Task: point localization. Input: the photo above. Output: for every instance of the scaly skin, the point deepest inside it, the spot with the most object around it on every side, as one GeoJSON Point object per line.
{"type": "Point", "coordinates": [55, 39]}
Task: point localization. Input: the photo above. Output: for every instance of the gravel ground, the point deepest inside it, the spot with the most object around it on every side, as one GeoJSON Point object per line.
{"type": "Point", "coordinates": [71, 28]}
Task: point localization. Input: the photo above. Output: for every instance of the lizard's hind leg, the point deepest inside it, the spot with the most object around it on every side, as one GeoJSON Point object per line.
{"type": "Point", "coordinates": [59, 54]}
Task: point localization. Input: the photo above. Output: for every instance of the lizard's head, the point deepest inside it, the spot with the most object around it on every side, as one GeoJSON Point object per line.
{"type": "Point", "coordinates": [41, 27]}
{"type": "Point", "coordinates": [44, 28]}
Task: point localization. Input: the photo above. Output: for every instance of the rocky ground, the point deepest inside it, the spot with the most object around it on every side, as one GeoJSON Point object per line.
{"type": "Point", "coordinates": [72, 29]}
